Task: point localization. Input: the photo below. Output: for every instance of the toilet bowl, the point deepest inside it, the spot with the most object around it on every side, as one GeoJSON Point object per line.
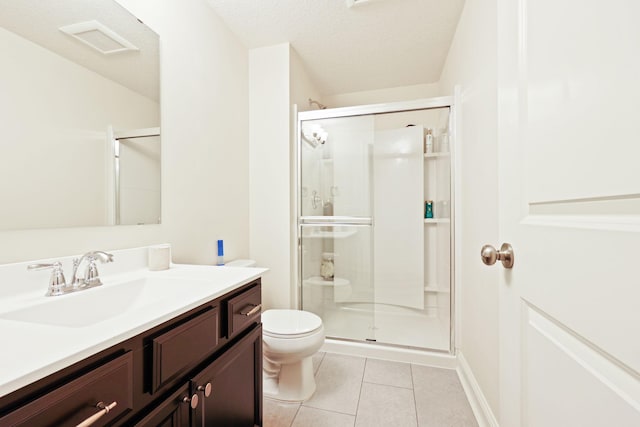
{"type": "Point", "coordinates": [289, 339]}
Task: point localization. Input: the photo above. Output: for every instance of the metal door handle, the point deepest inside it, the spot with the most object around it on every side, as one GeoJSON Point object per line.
{"type": "Point", "coordinates": [490, 255]}
{"type": "Point", "coordinates": [251, 309]}
{"type": "Point", "coordinates": [104, 409]}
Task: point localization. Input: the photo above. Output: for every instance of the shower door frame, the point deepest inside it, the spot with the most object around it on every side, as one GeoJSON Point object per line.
{"type": "Point", "coordinates": [364, 110]}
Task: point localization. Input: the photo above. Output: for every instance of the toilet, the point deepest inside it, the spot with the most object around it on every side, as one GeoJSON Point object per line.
{"type": "Point", "coordinates": [289, 339]}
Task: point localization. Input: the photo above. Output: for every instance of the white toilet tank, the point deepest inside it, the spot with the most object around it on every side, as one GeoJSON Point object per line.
{"type": "Point", "coordinates": [241, 263]}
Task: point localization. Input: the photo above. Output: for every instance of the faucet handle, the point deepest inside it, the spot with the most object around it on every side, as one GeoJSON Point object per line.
{"type": "Point", "coordinates": [91, 275]}
{"type": "Point", "coordinates": [57, 282]}
{"type": "Point", "coordinates": [101, 256]}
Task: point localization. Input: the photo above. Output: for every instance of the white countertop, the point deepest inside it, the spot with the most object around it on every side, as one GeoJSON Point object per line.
{"type": "Point", "coordinates": [31, 351]}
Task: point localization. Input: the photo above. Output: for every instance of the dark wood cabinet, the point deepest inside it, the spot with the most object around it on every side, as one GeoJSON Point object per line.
{"type": "Point", "coordinates": [157, 376]}
{"type": "Point", "coordinates": [230, 388]}
{"type": "Point", "coordinates": [174, 411]}
{"type": "Point", "coordinates": [243, 310]}
{"type": "Point", "coordinates": [77, 400]}
{"type": "Point", "coordinates": [178, 349]}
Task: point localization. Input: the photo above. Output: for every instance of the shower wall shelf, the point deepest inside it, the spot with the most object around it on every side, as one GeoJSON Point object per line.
{"type": "Point", "coordinates": [436, 155]}
{"type": "Point", "coordinates": [437, 220]}
{"type": "Point", "coordinates": [436, 289]}
{"type": "Point", "coordinates": [319, 281]}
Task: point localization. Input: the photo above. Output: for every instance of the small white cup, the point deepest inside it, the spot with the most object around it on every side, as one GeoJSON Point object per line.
{"type": "Point", "coordinates": [159, 257]}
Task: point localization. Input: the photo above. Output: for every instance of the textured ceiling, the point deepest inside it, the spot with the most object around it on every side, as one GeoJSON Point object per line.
{"type": "Point", "coordinates": [374, 45]}
{"type": "Point", "coordinates": [38, 21]}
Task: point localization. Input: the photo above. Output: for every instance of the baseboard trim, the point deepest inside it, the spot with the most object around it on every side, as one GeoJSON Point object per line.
{"type": "Point", "coordinates": [479, 405]}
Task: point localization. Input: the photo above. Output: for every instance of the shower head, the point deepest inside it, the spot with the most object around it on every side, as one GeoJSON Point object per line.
{"type": "Point", "coordinates": [320, 106]}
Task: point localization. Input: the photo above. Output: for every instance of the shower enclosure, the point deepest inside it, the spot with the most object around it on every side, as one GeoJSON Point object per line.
{"type": "Point", "coordinates": [374, 222]}
{"type": "Point", "coordinates": [133, 178]}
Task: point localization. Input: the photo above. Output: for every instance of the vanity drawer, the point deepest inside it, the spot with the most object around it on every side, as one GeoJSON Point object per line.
{"type": "Point", "coordinates": [183, 346]}
{"type": "Point", "coordinates": [77, 400]}
{"type": "Point", "coordinates": [243, 310]}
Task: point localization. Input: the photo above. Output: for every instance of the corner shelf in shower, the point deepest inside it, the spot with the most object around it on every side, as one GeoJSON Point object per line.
{"type": "Point", "coordinates": [436, 155]}
{"type": "Point", "coordinates": [319, 281]}
{"type": "Point", "coordinates": [436, 289]}
{"type": "Point", "coordinates": [437, 220]}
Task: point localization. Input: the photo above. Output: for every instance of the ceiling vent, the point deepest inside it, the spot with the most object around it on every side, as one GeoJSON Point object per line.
{"type": "Point", "coordinates": [99, 37]}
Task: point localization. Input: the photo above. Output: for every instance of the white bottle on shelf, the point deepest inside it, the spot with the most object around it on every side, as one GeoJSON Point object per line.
{"type": "Point", "coordinates": [428, 142]}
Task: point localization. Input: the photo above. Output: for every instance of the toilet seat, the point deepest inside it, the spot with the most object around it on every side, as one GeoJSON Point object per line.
{"type": "Point", "coordinates": [288, 324]}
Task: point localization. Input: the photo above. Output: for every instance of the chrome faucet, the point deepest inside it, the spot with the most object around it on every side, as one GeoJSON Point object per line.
{"type": "Point", "coordinates": [91, 276]}
{"type": "Point", "coordinates": [57, 283]}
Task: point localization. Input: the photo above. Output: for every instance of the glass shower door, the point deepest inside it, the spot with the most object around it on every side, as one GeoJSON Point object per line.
{"type": "Point", "coordinates": [336, 226]}
{"type": "Point", "coordinates": [337, 278]}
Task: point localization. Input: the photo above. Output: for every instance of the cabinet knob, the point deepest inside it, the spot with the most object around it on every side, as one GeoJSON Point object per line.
{"type": "Point", "coordinates": [206, 388]}
{"type": "Point", "coordinates": [193, 401]}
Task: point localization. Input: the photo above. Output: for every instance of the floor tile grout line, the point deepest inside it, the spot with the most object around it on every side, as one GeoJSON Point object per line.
{"type": "Point", "coordinates": [293, 420]}
{"type": "Point", "coordinates": [388, 385]}
{"type": "Point", "coordinates": [355, 420]}
{"type": "Point", "coordinates": [415, 399]}
{"type": "Point", "coordinates": [327, 410]}
{"type": "Point", "coordinates": [319, 364]}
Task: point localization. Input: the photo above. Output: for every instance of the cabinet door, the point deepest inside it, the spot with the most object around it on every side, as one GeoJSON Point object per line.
{"type": "Point", "coordinates": [175, 351]}
{"type": "Point", "coordinates": [230, 388]}
{"type": "Point", "coordinates": [172, 412]}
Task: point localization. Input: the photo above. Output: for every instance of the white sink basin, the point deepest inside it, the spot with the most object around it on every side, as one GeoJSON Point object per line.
{"type": "Point", "coordinates": [91, 306]}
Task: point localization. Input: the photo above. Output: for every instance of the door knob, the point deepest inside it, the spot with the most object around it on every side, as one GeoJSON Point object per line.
{"type": "Point", "coordinates": [490, 255]}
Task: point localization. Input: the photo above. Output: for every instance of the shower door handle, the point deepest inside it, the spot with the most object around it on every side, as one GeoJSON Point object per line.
{"type": "Point", "coordinates": [490, 255]}
{"type": "Point", "coordinates": [315, 199]}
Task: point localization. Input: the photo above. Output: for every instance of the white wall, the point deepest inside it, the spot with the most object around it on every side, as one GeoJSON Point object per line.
{"type": "Point", "coordinates": [205, 173]}
{"type": "Point", "coordinates": [394, 94]}
{"type": "Point", "coordinates": [277, 81]}
{"type": "Point", "coordinates": [205, 119]}
{"type": "Point", "coordinates": [472, 63]}
{"type": "Point", "coordinates": [270, 166]}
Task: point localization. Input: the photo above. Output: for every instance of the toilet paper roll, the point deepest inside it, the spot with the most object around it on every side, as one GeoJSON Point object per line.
{"type": "Point", "coordinates": [159, 257]}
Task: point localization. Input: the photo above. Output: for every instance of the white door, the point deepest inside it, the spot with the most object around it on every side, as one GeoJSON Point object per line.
{"type": "Point", "coordinates": [569, 133]}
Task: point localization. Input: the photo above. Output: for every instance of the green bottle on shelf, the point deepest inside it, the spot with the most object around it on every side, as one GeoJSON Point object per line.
{"type": "Point", "coordinates": [428, 209]}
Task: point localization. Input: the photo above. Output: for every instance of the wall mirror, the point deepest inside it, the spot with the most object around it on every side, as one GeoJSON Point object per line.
{"type": "Point", "coordinates": [79, 116]}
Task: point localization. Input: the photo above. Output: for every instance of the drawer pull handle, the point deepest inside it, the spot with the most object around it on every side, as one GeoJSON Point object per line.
{"type": "Point", "coordinates": [206, 388]}
{"type": "Point", "coordinates": [251, 309]}
{"type": "Point", "coordinates": [193, 401]}
{"type": "Point", "coordinates": [104, 409]}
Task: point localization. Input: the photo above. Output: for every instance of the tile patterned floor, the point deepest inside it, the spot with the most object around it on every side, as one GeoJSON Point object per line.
{"type": "Point", "coordinates": [358, 392]}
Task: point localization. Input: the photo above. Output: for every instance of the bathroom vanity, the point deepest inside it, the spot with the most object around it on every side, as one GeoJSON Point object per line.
{"type": "Point", "coordinates": [173, 364]}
